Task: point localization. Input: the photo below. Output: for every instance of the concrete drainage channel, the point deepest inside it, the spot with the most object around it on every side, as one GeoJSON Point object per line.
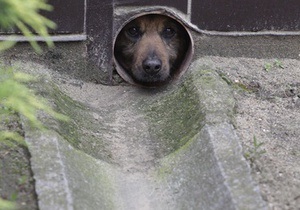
{"type": "Point", "coordinates": [132, 148]}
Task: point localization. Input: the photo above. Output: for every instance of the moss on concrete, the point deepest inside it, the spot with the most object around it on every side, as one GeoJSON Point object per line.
{"type": "Point", "coordinates": [16, 181]}
{"type": "Point", "coordinates": [203, 98]}
{"type": "Point", "coordinates": [175, 117]}
{"type": "Point", "coordinates": [81, 129]}
{"type": "Point", "coordinates": [214, 93]}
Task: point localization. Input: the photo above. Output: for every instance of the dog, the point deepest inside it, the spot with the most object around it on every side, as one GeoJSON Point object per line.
{"type": "Point", "coordinates": [151, 48]}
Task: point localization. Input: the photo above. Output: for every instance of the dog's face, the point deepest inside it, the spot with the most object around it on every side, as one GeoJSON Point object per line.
{"type": "Point", "coordinates": [151, 48]}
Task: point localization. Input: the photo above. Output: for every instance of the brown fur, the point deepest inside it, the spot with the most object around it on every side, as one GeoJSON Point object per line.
{"type": "Point", "coordinates": [156, 40]}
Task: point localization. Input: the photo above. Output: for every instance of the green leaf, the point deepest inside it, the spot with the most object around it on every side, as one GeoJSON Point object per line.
{"type": "Point", "coordinates": [7, 205]}
{"type": "Point", "coordinates": [24, 15]}
{"type": "Point", "coordinates": [5, 45]}
{"type": "Point", "coordinates": [6, 137]}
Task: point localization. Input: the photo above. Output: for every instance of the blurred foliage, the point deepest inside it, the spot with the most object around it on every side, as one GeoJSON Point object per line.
{"type": "Point", "coordinates": [15, 96]}
{"type": "Point", "coordinates": [7, 205]}
{"type": "Point", "coordinates": [24, 15]}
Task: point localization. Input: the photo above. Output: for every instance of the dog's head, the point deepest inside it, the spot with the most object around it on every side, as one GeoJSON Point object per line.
{"type": "Point", "coordinates": [151, 48]}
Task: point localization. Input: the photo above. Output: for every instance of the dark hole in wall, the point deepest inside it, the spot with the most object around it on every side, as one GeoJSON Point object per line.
{"type": "Point", "coordinates": [152, 50]}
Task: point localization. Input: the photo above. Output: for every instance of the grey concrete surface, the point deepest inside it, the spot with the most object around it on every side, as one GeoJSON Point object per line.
{"type": "Point", "coordinates": [131, 148]}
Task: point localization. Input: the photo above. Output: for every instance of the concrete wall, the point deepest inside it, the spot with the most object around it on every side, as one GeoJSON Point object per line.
{"type": "Point", "coordinates": [223, 28]}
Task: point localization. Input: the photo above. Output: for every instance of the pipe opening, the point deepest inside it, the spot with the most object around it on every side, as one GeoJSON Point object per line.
{"type": "Point", "coordinates": [152, 50]}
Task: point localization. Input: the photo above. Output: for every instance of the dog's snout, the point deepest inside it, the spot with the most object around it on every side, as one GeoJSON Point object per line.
{"type": "Point", "coordinates": [152, 65]}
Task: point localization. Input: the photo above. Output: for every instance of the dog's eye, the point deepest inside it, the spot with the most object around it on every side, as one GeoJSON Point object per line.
{"type": "Point", "coordinates": [168, 32]}
{"type": "Point", "coordinates": [134, 32]}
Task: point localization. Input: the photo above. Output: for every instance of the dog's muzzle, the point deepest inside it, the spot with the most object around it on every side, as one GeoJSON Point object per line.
{"type": "Point", "coordinates": [152, 65]}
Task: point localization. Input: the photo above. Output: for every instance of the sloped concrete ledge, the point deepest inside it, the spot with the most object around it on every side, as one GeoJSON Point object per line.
{"type": "Point", "coordinates": [66, 178]}
{"type": "Point", "coordinates": [210, 173]}
{"type": "Point", "coordinates": [232, 165]}
{"type": "Point", "coordinates": [211, 176]}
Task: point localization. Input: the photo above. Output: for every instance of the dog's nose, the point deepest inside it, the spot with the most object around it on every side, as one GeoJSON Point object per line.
{"type": "Point", "coordinates": [152, 65]}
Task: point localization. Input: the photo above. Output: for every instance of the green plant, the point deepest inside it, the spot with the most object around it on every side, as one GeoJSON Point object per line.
{"type": "Point", "coordinates": [268, 67]}
{"type": "Point", "coordinates": [255, 152]}
{"type": "Point", "coordinates": [278, 64]}
{"type": "Point", "coordinates": [275, 64]}
{"type": "Point", "coordinates": [15, 96]}
{"type": "Point", "coordinates": [7, 205]}
{"type": "Point", "coordinates": [24, 15]}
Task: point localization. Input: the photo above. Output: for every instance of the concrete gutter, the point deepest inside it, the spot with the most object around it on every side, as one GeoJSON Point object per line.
{"type": "Point", "coordinates": [130, 148]}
